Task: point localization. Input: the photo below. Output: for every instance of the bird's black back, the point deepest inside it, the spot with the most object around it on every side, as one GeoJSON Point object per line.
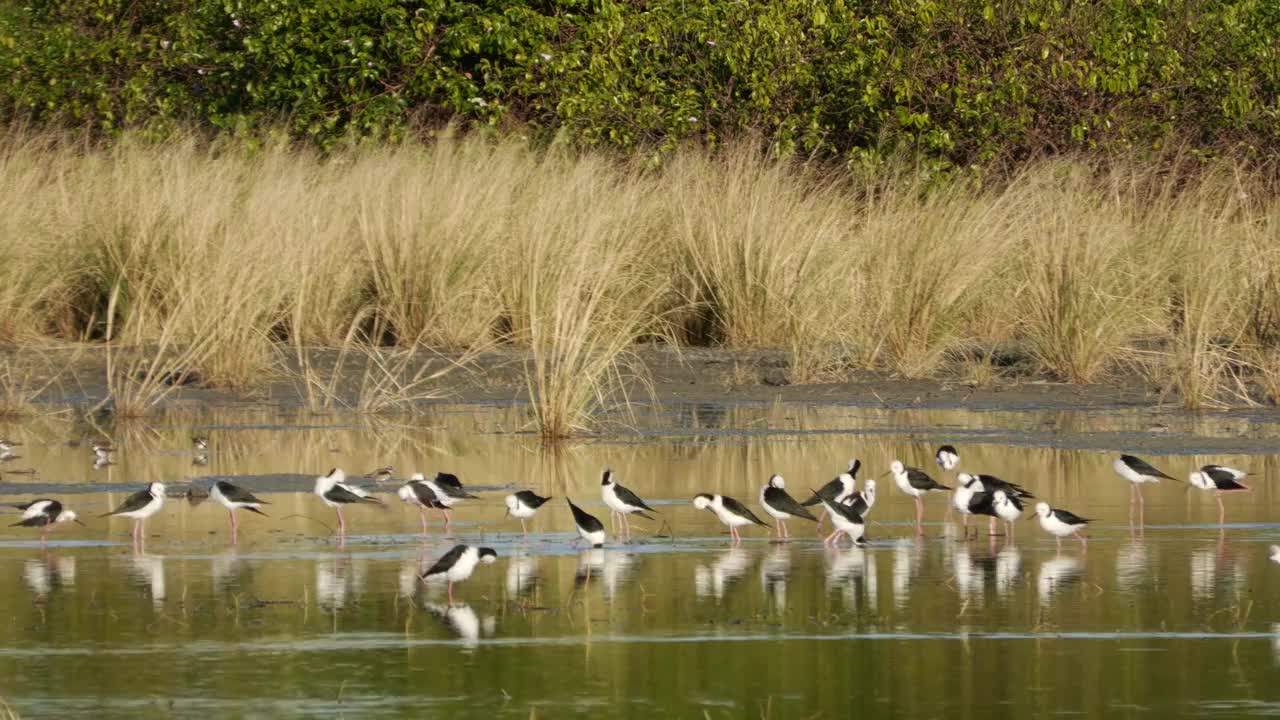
{"type": "Point", "coordinates": [921, 480]}
{"type": "Point", "coordinates": [446, 561]}
{"type": "Point", "coordinates": [1070, 518]}
{"type": "Point", "coordinates": [738, 508]}
{"type": "Point", "coordinates": [842, 510]}
{"type": "Point", "coordinates": [136, 501]}
{"type": "Point", "coordinates": [780, 500]}
{"type": "Point", "coordinates": [584, 519]}
{"type": "Point", "coordinates": [530, 499]}
{"type": "Point", "coordinates": [1142, 467]}
{"type": "Point", "coordinates": [630, 498]}
{"type": "Point", "coordinates": [235, 493]}
{"type": "Point", "coordinates": [829, 491]}
{"type": "Point", "coordinates": [983, 503]}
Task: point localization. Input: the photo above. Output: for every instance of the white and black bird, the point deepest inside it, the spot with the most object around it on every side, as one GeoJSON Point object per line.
{"type": "Point", "coordinates": [729, 511]}
{"type": "Point", "coordinates": [523, 505]}
{"type": "Point", "coordinates": [140, 506]}
{"type": "Point", "coordinates": [589, 526]}
{"type": "Point", "coordinates": [1220, 479]}
{"type": "Point", "coordinates": [233, 497]}
{"type": "Point", "coordinates": [199, 443]}
{"type": "Point", "coordinates": [863, 500]}
{"type": "Point", "coordinates": [44, 514]}
{"type": "Point", "coordinates": [6, 450]}
{"type": "Point", "coordinates": [846, 521]}
{"type": "Point", "coordinates": [1061, 523]}
{"type": "Point", "coordinates": [1008, 508]}
{"type": "Point", "coordinates": [417, 493]}
{"type": "Point", "coordinates": [947, 457]}
{"type": "Point", "coordinates": [621, 503]}
{"type": "Point", "coordinates": [335, 492]}
{"type": "Point", "coordinates": [449, 492]}
{"type": "Point", "coordinates": [962, 496]}
{"type": "Point", "coordinates": [1138, 472]}
{"type": "Point", "coordinates": [977, 486]}
{"type": "Point", "coordinates": [102, 455]}
{"type": "Point", "coordinates": [1275, 554]}
{"type": "Point", "coordinates": [840, 488]}
{"type": "Point", "coordinates": [916, 483]}
{"type": "Point", "coordinates": [458, 564]}
{"type": "Point", "coordinates": [775, 501]}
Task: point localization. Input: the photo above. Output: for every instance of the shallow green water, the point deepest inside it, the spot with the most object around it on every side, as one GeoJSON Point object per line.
{"type": "Point", "coordinates": [1182, 619]}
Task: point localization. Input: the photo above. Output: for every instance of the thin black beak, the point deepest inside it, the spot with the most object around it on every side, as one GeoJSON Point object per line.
{"type": "Point", "coordinates": [77, 521]}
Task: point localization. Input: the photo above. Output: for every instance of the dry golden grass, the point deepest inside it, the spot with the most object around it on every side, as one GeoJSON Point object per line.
{"type": "Point", "coordinates": [213, 259]}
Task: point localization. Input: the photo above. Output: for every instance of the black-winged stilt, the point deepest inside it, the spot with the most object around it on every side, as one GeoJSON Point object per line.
{"type": "Point", "coordinates": [846, 522]}
{"type": "Point", "coordinates": [947, 457]}
{"type": "Point", "coordinates": [840, 488]}
{"type": "Point", "coordinates": [458, 564]}
{"type": "Point", "coordinates": [523, 505]}
{"type": "Point", "coordinates": [44, 514]}
{"type": "Point", "coordinates": [1220, 479]}
{"type": "Point", "coordinates": [102, 456]}
{"type": "Point", "coordinates": [140, 506]}
{"type": "Point", "coordinates": [864, 500]}
{"type": "Point", "coordinates": [589, 526]}
{"type": "Point", "coordinates": [775, 501]}
{"type": "Point", "coordinates": [233, 497]}
{"type": "Point", "coordinates": [1138, 472]}
{"type": "Point", "coordinates": [199, 443]}
{"type": "Point", "coordinates": [729, 511]}
{"type": "Point", "coordinates": [1008, 508]}
{"type": "Point", "coordinates": [916, 483]}
{"type": "Point", "coordinates": [449, 492]}
{"type": "Point", "coordinates": [419, 494]}
{"type": "Point", "coordinates": [335, 492]}
{"type": "Point", "coordinates": [1061, 523]}
{"type": "Point", "coordinates": [962, 496]}
{"type": "Point", "coordinates": [621, 503]}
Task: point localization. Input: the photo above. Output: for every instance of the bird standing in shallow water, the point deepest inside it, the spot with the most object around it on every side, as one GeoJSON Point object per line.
{"type": "Point", "coordinates": [419, 494]}
{"type": "Point", "coordinates": [729, 511]}
{"type": "Point", "coordinates": [589, 526]}
{"type": "Point", "coordinates": [1061, 523]}
{"type": "Point", "coordinates": [44, 514]}
{"type": "Point", "coordinates": [915, 483]}
{"type": "Point", "coordinates": [1138, 472]}
{"type": "Point", "coordinates": [335, 493]}
{"type": "Point", "coordinates": [449, 492]}
{"type": "Point", "coordinates": [1220, 479]}
{"type": "Point", "coordinates": [458, 564]}
{"type": "Point", "coordinates": [233, 497]}
{"type": "Point", "coordinates": [524, 505]}
{"type": "Point", "coordinates": [775, 501]}
{"type": "Point", "coordinates": [846, 521]}
{"type": "Point", "coordinates": [621, 503]}
{"type": "Point", "coordinates": [140, 506]}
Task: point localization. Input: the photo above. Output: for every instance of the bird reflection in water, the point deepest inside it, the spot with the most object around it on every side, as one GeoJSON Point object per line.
{"type": "Point", "coordinates": [338, 580]}
{"type": "Point", "coordinates": [853, 571]}
{"type": "Point", "coordinates": [522, 575]}
{"type": "Point", "coordinates": [226, 569]}
{"type": "Point", "coordinates": [463, 622]}
{"type": "Point", "coordinates": [147, 571]}
{"type": "Point", "coordinates": [1057, 575]}
{"type": "Point", "coordinates": [714, 579]}
{"type": "Point", "coordinates": [907, 556]}
{"type": "Point", "coordinates": [48, 573]}
{"type": "Point", "coordinates": [775, 570]}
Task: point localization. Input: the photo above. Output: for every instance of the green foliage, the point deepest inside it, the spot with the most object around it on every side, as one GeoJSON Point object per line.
{"type": "Point", "coordinates": [965, 82]}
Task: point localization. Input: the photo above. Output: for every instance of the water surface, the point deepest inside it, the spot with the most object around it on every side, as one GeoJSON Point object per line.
{"type": "Point", "coordinates": [1178, 618]}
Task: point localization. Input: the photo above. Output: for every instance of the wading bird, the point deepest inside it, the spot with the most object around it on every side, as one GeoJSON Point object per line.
{"type": "Point", "coordinates": [233, 497]}
{"type": "Point", "coordinates": [1220, 479]}
{"type": "Point", "coordinates": [915, 483]}
{"type": "Point", "coordinates": [1061, 523]}
{"type": "Point", "coordinates": [775, 501]}
{"type": "Point", "coordinates": [589, 526]}
{"type": "Point", "coordinates": [335, 492]}
{"type": "Point", "coordinates": [458, 564]}
{"type": "Point", "coordinates": [621, 503]}
{"type": "Point", "coordinates": [524, 505]}
{"type": "Point", "coordinates": [44, 514]}
{"type": "Point", "coordinates": [140, 506]}
{"type": "Point", "coordinates": [729, 511]}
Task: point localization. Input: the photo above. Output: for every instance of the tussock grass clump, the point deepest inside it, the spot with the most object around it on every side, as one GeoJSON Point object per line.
{"type": "Point", "coordinates": [216, 259]}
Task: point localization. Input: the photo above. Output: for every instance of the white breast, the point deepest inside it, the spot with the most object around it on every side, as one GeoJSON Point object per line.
{"type": "Point", "coordinates": [466, 564]}
{"type": "Point", "coordinates": [610, 496]}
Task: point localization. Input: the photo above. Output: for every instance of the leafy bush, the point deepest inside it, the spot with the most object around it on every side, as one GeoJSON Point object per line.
{"type": "Point", "coordinates": [964, 82]}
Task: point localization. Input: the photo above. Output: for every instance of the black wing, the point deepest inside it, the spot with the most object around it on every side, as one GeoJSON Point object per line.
{"type": "Point", "coordinates": [920, 480]}
{"type": "Point", "coordinates": [1016, 501]}
{"type": "Point", "coordinates": [854, 466]}
{"type": "Point", "coordinates": [630, 498]}
{"type": "Point", "coordinates": [738, 508]}
{"type": "Point", "coordinates": [530, 499]}
{"type": "Point", "coordinates": [1223, 478]}
{"type": "Point", "coordinates": [1071, 518]}
{"type": "Point", "coordinates": [983, 503]}
{"type": "Point", "coordinates": [425, 494]}
{"type": "Point", "coordinates": [584, 519]}
{"type": "Point", "coordinates": [831, 490]}
{"type": "Point", "coordinates": [991, 483]}
{"type": "Point", "coordinates": [778, 499]}
{"type": "Point", "coordinates": [444, 479]}
{"type": "Point", "coordinates": [136, 501]}
{"type": "Point", "coordinates": [340, 494]}
{"type": "Point", "coordinates": [25, 505]}
{"type": "Point", "coordinates": [1143, 467]}
{"type": "Point", "coordinates": [859, 505]}
{"type": "Point", "coordinates": [237, 494]}
{"type": "Point", "coordinates": [446, 561]}
{"type": "Point", "coordinates": [843, 511]}
{"type": "Point", "coordinates": [46, 516]}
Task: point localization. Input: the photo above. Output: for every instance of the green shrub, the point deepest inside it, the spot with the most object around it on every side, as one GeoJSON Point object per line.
{"type": "Point", "coordinates": [965, 82]}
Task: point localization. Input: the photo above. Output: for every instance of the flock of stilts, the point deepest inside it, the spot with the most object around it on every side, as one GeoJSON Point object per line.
{"type": "Point", "coordinates": [844, 504]}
